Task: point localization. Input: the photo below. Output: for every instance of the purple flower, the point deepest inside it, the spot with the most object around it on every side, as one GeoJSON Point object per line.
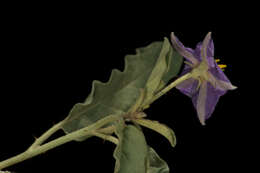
{"type": "Point", "coordinates": [208, 81]}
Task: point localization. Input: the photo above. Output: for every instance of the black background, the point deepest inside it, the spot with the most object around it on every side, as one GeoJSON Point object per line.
{"type": "Point", "coordinates": [48, 66]}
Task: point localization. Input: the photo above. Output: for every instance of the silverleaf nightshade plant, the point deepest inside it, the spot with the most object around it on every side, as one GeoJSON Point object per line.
{"type": "Point", "coordinates": [127, 94]}
{"type": "Point", "coordinates": [207, 80]}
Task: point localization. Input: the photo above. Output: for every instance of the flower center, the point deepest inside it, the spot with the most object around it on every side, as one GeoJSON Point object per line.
{"type": "Point", "coordinates": [201, 73]}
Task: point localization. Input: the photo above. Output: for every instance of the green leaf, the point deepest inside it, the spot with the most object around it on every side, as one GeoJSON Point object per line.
{"type": "Point", "coordinates": [158, 71]}
{"type": "Point", "coordinates": [155, 163]}
{"type": "Point", "coordinates": [174, 61]}
{"type": "Point", "coordinates": [132, 151]}
{"type": "Point", "coordinates": [124, 89]}
{"type": "Point", "coordinates": [133, 155]}
{"type": "Point", "coordinates": [145, 73]}
{"type": "Point", "coordinates": [160, 128]}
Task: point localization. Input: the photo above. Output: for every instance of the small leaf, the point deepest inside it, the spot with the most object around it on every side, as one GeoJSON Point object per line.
{"type": "Point", "coordinates": [155, 163]}
{"type": "Point", "coordinates": [132, 151]}
{"type": "Point", "coordinates": [160, 128]}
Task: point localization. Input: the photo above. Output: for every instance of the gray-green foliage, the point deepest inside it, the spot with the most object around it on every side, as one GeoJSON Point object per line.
{"type": "Point", "coordinates": [155, 163]}
{"type": "Point", "coordinates": [160, 128]}
{"type": "Point", "coordinates": [150, 69]}
{"type": "Point", "coordinates": [133, 155]}
{"type": "Point", "coordinates": [130, 92]}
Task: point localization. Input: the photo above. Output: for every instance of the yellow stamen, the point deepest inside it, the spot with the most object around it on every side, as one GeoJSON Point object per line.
{"type": "Point", "coordinates": [222, 66]}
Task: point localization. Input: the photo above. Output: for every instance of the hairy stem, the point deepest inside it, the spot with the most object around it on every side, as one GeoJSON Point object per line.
{"type": "Point", "coordinates": [90, 130]}
{"type": "Point", "coordinates": [107, 130]}
{"type": "Point", "coordinates": [106, 137]}
{"type": "Point", "coordinates": [46, 135]}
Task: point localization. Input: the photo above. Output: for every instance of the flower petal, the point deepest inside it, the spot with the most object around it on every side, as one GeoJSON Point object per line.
{"type": "Point", "coordinates": [218, 73]}
{"type": "Point", "coordinates": [210, 53]}
{"type": "Point", "coordinates": [213, 96]}
{"type": "Point", "coordinates": [211, 48]}
{"type": "Point", "coordinates": [206, 100]}
{"type": "Point", "coordinates": [182, 50]}
{"type": "Point", "coordinates": [197, 51]}
{"type": "Point", "coordinates": [199, 102]}
{"type": "Point", "coordinates": [188, 87]}
{"type": "Point", "coordinates": [225, 85]}
{"type": "Point", "coordinates": [221, 81]}
{"type": "Point", "coordinates": [205, 54]}
{"type": "Point", "coordinates": [187, 68]}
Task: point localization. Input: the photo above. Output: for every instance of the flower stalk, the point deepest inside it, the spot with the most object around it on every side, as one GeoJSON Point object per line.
{"type": "Point", "coordinates": [170, 86]}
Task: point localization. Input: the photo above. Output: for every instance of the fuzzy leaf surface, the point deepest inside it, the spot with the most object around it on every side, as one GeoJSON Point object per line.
{"type": "Point", "coordinates": [164, 130]}
{"type": "Point", "coordinates": [155, 163]}
{"type": "Point", "coordinates": [131, 153]}
{"type": "Point", "coordinates": [147, 71]}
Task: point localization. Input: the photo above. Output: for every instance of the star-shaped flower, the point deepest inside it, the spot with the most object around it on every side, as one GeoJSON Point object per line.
{"type": "Point", "coordinates": [208, 81]}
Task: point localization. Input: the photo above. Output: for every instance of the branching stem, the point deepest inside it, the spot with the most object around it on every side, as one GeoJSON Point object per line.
{"type": "Point", "coordinates": [93, 130]}
{"type": "Point", "coordinates": [46, 135]}
{"type": "Point", "coordinates": [39, 149]}
{"type": "Point", "coordinates": [106, 137]}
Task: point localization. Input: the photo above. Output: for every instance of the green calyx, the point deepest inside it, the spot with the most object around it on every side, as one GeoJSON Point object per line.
{"type": "Point", "coordinates": [201, 72]}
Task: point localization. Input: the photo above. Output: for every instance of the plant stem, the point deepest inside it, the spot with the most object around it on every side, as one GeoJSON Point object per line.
{"type": "Point", "coordinates": [46, 135]}
{"type": "Point", "coordinates": [106, 137]}
{"type": "Point", "coordinates": [169, 87]}
{"type": "Point", "coordinates": [57, 142]}
{"type": "Point", "coordinates": [107, 130]}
